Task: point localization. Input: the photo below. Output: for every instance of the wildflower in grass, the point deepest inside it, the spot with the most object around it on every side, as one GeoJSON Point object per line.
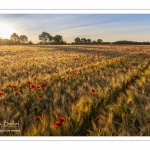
{"type": "Point", "coordinates": [58, 124]}
{"type": "Point", "coordinates": [39, 87]}
{"type": "Point", "coordinates": [32, 86]}
{"type": "Point", "coordinates": [86, 79]}
{"type": "Point", "coordinates": [74, 74]}
{"type": "Point", "coordinates": [97, 117]}
{"type": "Point", "coordinates": [84, 87]}
{"type": "Point", "coordinates": [62, 119]}
{"type": "Point", "coordinates": [44, 85]}
{"type": "Point", "coordinates": [128, 82]}
{"type": "Point", "coordinates": [29, 82]}
{"type": "Point", "coordinates": [92, 90]}
{"type": "Point", "coordinates": [37, 118]}
{"type": "Point", "coordinates": [130, 101]}
{"type": "Point", "coordinates": [101, 78]}
{"type": "Point", "coordinates": [148, 121]}
{"type": "Point", "coordinates": [10, 86]}
{"type": "Point", "coordinates": [41, 96]}
{"type": "Point", "coordinates": [35, 78]}
{"type": "Point", "coordinates": [1, 93]}
{"type": "Point", "coordinates": [55, 71]}
{"type": "Point", "coordinates": [15, 87]}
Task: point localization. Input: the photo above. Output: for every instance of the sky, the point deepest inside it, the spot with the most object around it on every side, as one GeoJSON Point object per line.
{"type": "Point", "coordinates": [108, 27]}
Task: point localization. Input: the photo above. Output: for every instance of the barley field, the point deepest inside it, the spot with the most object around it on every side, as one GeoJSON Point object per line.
{"type": "Point", "coordinates": [76, 90]}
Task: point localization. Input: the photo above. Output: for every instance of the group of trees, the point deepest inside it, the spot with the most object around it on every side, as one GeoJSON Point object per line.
{"type": "Point", "coordinates": [131, 42]}
{"type": "Point", "coordinates": [19, 39]}
{"type": "Point", "coordinates": [87, 41]}
{"type": "Point", "coordinates": [47, 38]}
{"type": "Point", "coordinates": [15, 39]}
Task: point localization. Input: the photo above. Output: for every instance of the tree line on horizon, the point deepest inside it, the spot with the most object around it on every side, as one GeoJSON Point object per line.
{"type": "Point", "coordinates": [46, 38]}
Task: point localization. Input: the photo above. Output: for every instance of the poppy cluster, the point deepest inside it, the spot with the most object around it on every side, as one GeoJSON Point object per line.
{"type": "Point", "coordinates": [59, 123]}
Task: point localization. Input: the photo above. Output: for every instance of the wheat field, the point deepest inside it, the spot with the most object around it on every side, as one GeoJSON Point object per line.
{"type": "Point", "coordinates": [76, 90]}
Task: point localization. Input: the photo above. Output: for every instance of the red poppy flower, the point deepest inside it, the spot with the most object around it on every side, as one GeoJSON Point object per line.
{"type": "Point", "coordinates": [74, 74]}
{"type": "Point", "coordinates": [58, 124]}
{"type": "Point", "coordinates": [55, 71]}
{"type": "Point", "coordinates": [128, 82]}
{"type": "Point", "coordinates": [32, 86]}
{"type": "Point", "coordinates": [92, 90]}
{"type": "Point", "coordinates": [62, 119]}
{"type": "Point", "coordinates": [29, 82]}
{"type": "Point", "coordinates": [130, 101]}
{"type": "Point", "coordinates": [15, 87]}
{"type": "Point", "coordinates": [37, 118]}
{"type": "Point", "coordinates": [10, 86]}
{"type": "Point", "coordinates": [44, 84]}
{"type": "Point", "coordinates": [41, 96]}
{"type": "Point", "coordinates": [86, 78]}
{"type": "Point", "coordinates": [39, 87]}
{"type": "Point", "coordinates": [1, 93]}
{"type": "Point", "coordinates": [97, 117]}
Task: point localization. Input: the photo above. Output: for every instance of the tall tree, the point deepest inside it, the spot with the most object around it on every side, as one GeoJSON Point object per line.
{"type": "Point", "coordinates": [23, 39]}
{"type": "Point", "coordinates": [89, 40]}
{"type": "Point", "coordinates": [45, 37]}
{"type": "Point", "coordinates": [84, 40]}
{"type": "Point", "coordinates": [15, 38]}
{"type": "Point", "coordinates": [58, 39]}
{"type": "Point", "coordinates": [94, 42]}
{"type": "Point", "coordinates": [77, 40]}
{"type": "Point", "coordinates": [99, 41]}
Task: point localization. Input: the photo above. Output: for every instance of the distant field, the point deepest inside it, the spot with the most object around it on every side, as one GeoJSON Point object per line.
{"type": "Point", "coordinates": [87, 90]}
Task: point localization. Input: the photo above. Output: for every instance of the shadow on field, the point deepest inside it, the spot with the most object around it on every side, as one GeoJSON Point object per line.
{"type": "Point", "coordinates": [106, 51]}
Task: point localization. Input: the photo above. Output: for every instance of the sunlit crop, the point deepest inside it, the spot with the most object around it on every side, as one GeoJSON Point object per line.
{"type": "Point", "coordinates": [76, 90]}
